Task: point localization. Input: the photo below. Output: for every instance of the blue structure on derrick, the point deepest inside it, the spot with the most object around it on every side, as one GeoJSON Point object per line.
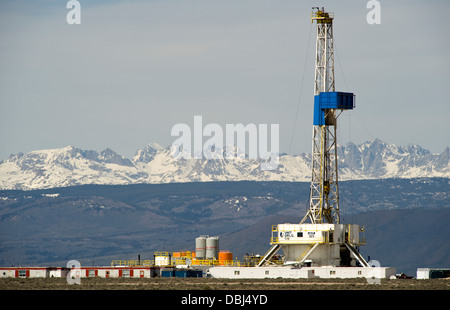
{"type": "Point", "coordinates": [331, 100]}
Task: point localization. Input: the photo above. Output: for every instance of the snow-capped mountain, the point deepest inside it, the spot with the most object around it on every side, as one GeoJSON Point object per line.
{"type": "Point", "coordinates": [377, 159]}
{"type": "Point", "coordinates": [155, 164]}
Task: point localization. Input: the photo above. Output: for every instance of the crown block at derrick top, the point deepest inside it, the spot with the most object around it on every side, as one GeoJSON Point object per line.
{"type": "Point", "coordinates": [331, 100]}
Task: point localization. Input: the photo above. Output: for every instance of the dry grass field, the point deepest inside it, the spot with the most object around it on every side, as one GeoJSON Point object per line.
{"type": "Point", "coordinates": [220, 284]}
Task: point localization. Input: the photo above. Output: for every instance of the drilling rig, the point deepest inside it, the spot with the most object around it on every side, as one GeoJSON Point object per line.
{"type": "Point", "coordinates": [320, 245]}
{"type": "Point", "coordinates": [320, 239]}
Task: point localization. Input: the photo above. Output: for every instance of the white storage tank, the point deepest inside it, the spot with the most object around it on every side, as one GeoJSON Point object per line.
{"type": "Point", "coordinates": [200, 247]}
{"type": "Point", "coordinates": [212, 248]}
{"type": "Point", "coordinates": [162, 258]}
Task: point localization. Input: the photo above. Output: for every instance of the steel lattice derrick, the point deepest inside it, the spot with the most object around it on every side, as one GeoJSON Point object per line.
{"type": "Point", "coordinates": [324, 192]}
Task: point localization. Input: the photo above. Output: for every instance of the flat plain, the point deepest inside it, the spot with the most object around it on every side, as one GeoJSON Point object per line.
{"type": "Point", "coordinates": [220, 284]}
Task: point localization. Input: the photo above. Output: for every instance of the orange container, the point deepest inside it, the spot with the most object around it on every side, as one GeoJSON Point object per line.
{"type": "Point", "coordinates": [225, 257]}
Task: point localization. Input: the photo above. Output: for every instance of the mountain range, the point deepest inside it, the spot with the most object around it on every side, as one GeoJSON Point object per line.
{"type": "Point", "coordinates": [154, 164]}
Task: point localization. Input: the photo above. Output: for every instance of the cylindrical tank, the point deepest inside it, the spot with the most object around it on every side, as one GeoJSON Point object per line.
{"type": "Point", "coordinates": [212, 248]}
{"type": "Point", "coordinates": [225, 258]}
{"type": "Point", "coordinates": [200, 247]}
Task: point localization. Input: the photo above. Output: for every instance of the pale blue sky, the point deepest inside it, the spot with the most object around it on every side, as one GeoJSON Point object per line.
{"type": "Point", "coordinates": [134, 69]}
